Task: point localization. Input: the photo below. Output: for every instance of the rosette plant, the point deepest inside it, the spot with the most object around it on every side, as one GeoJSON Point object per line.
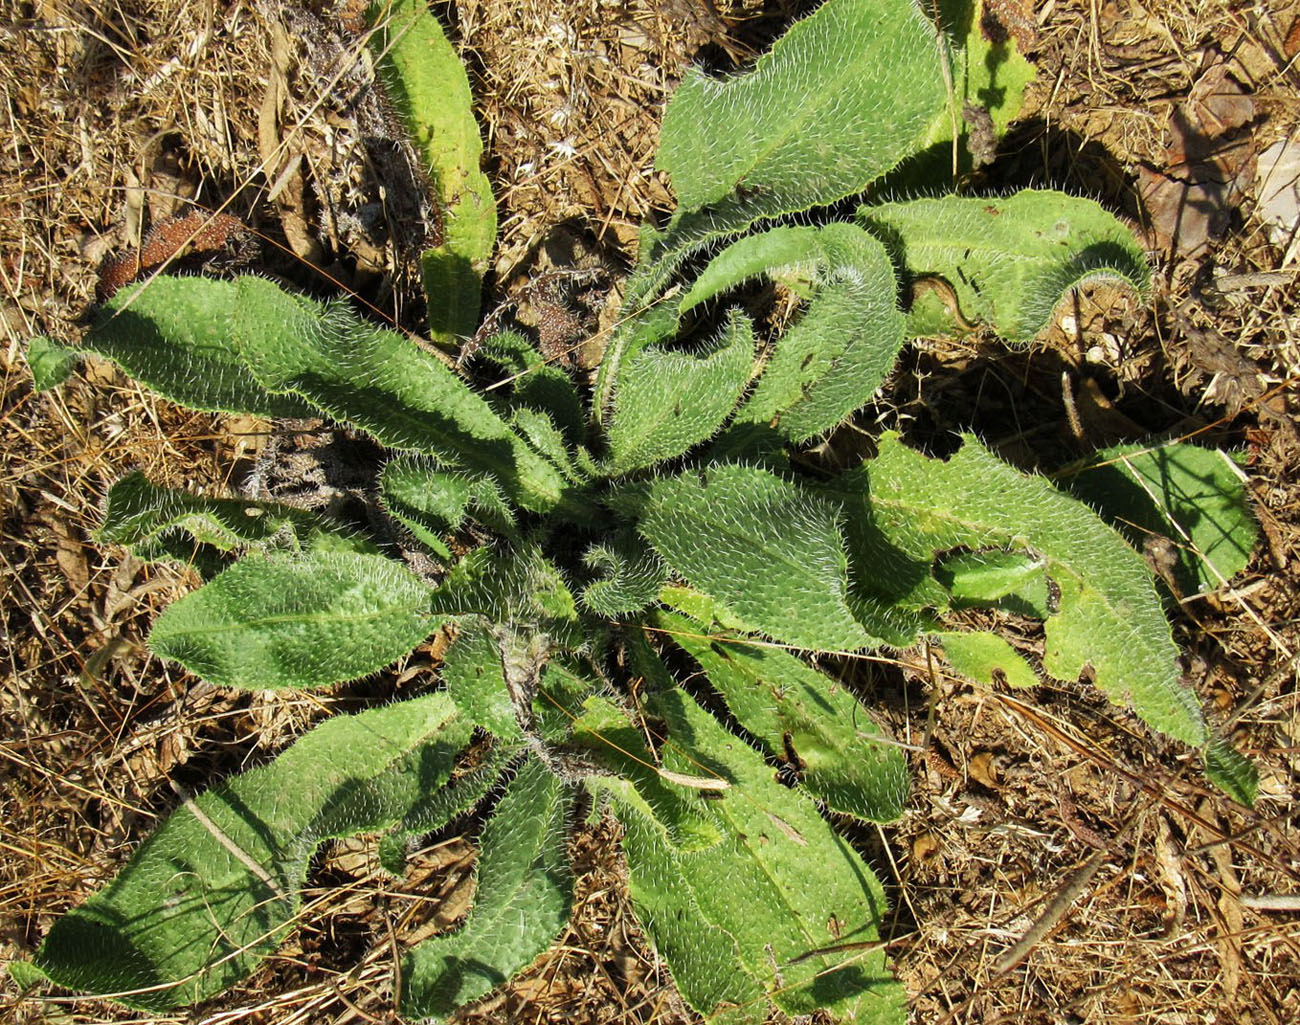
{"type": "Point", "coordinates": [647, 578]}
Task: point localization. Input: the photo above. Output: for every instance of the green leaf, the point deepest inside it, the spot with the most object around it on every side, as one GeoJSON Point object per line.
{"type": "Point", "coordinates": [1009, 261]}
{"type": "Point", "coordinates": [769, 551]}
{"type": "Point", "coordinates": [534, 383]}
{"type": "Point", "coordinates": [546, 438]}
{"type": "Point", "coordinates": [24, 974]}
{"type": "Point", "coordinates": [385, 384]}
{"type": "Point", "coordinates": [988, 81]}
{"type": "Point", "coordinates": [1231, 771]}
{"type": "Point", "coordinates": [50, 362]}
{"type": "Point", "coordinates": [668, 400]}
{"type": "Point", "coordinates": [469, 784]}
{"type": "Point", "coordinates": [841, 99]}
{"type": "Point", "coordinates": [175, 335]}
{"type": "Point", "coordinates": [138, 513]}
{"type": "Point", "coordinates": [1108, 614]}
{"type": "Point", "coordinates": [991, 71]}
{"type": "Point", "coordinates": [1193, 496]}
{"type": "Point", "coordinates": [832, 360]}
{"type": "Point", "coordinates": [994, 577]}
{"type": "Point", "coordinates": [608, 736]}
{"type": "Point", "coordinates": [188, 916]}
{"type": "Point", "coordinates": [521, 901]}
{"type": "Point", "coordinates": [296, 620]}
{"type": "Point", "coordinates": [428, 87]}
{"type": "Point", "coordinates": [825, 366]}
{"type": "Point", "coordinates": [790, 708]}
{"type": "Point", "coordinates": [511, 585]}
{"type": "Point", "coordinates": [700, 607]}
{"type": "Point", "coordinates": [565, 685]}
{"type": "Point", "coordinates": [983, 657]}
{"type": "Point", "coordinates": [778, 909]}
{"type": "Point", "coordinates": [475, 679]}
{"type": "Point", "coordinates": [631, 577]}
{"type": "Point", "coordinates": [433, 503]}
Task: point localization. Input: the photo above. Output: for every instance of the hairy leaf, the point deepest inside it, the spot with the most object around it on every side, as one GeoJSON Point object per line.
{"type": "Point", "coordinates": [296, 620]}
{"type": "Point", "coordinates": [205, 898]}
{"type": "Point", "coordinates": [793, 710]}
{"type": "Point", "coordinates": [988, 78]}
{"type": "Point", "coordinates": [426, 81]}
{"type": "Point", "coordinates": [668, 400]}
{"type": "Point", "coordinates": [831, 361]}
{"type": "Point", "coordinates": [469, 784]}
{"type": "Point", "coordinates": [824, 366]}
{"type": "Point", "coordinates": [1231, 771]}
{"type": "Point", "coordinates": [768, 550]}
{"type": "Point", "coordinates": [1193, 496]}
{"type": "Point", "coordinates": [983, 657]}
{"type": "Point", "coordinates": [701, 607]}
{"type": "Point", "coordinates": [1108, 614]}
{"type": "Point", "coordinates": [840, 100]}
{"type": "Point", "coordinates": [548, 440]}
{"type": "Point", "coordinates": [994, 577]}
{"type": "Point", "coordinates": [513, 585]}
{"type": "Point", "coordinates": [433, 503]}
{"type": "Point", "coordinates": [138, 512]}
{"type": "Point", "coordinates": [530, 381]}
{"type": "Point", "coordinates": [520, 903]}
{"type": "Point", "coordinates": [475, 679]}
{"type": "Point", "coordinates": [750, 917]}
{"type": "Point", "coordinates": [50, 362]}
{"type": "Point", "coordinates": [1008, 261]}
{"type": "Point", "coordinates": [632, 577]}
{"type": "Point", "coordinates": [176, 335]}
{"type": "Point", "coordinates": [387, 385]}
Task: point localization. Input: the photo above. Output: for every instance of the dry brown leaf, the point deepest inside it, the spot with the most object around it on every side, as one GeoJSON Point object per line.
{"type": "Point", "coordinates": [70, 555]}
{"type": "Point", "coordinates": [1014, 18]}
{"type": "Point", "coordinates": [925, 848]}
{"type": "Point", "coordinates": [983, 769]}
{"type": "Point", "coordinates": [1215, 106]}
{"type": "Point", "coordinates": [1210, 165]}
{"type": "Point", "coordinates": [1185, 214]}
{"type": "Point", "coordinates": [1172, 881]}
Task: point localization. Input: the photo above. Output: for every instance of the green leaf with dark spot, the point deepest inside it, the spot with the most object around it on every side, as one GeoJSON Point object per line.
{"type": "Point", "coordinates": [1008, 260]}
{"type": "Point", "coordinates": [984, 657]}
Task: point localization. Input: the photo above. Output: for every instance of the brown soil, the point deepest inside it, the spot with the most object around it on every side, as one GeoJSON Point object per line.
{"type": "Point", "coordinates": [118, 117]}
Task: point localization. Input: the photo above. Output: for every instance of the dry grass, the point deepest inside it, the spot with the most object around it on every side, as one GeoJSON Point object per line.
{"type": "Point", "coordinates": [117, 116]}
